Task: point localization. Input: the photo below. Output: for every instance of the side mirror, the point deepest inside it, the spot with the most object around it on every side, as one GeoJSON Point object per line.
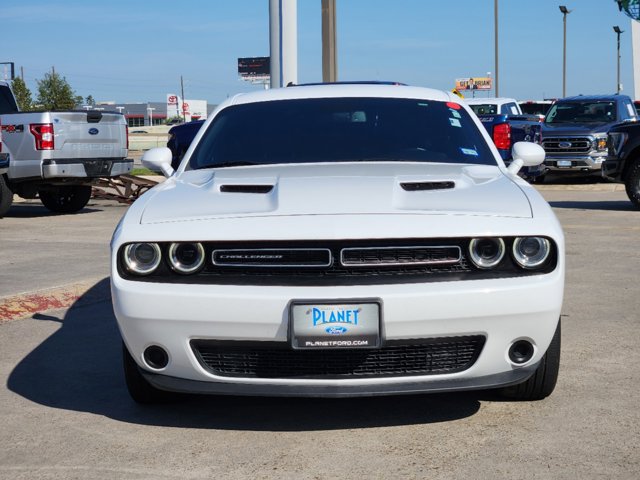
{"type": "Point", "coordinates": [159, 160]}
{"type": "Point", "coordinates": [525, 154]}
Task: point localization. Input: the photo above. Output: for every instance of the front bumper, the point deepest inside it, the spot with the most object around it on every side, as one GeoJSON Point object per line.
{"type": "Point", "coordinates": [86, 168]}
{"type": "Point", "coordinates": [502, 310]}
{"type": "Point", "coordinates": [408, 387]}
{"type": "Point", "coordinates": [575, 164]}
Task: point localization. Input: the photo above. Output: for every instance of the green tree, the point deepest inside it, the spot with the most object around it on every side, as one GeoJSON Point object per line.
{"type": "Point", "coordinates": [55, 93]}
{"type": "Point", "coordinates": [22, 93]}
{"type": "Point", "coordinates": [90, 101]}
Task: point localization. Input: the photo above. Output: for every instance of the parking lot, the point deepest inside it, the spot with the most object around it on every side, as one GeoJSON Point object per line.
{"type": "Point", "coordinates": [66, 413]}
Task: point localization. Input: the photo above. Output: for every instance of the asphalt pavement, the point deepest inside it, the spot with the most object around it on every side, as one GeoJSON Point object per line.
{"type": "Point", "coordinates": [66, 413]}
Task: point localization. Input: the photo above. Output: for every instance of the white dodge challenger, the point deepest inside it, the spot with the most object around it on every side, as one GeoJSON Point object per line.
{"type": "Point", "coordinates": [340, 240]}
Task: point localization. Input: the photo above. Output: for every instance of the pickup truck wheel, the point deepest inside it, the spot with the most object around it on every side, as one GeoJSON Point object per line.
{"type": "Point", "coordinates": [66, 199]}
{"type": "Point", "coordinates": [543, 381]}
{"type": "Point", "coordinates": [632, 184]}
{"type": "Point", "coordinates": [139, 388]}
{"type": "Point", "coordinates": [6, 197]}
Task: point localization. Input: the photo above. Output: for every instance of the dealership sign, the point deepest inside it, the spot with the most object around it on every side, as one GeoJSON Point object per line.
{"type": "Point", "coordinates": [474, 83]}
{"type": "Point", "coordinates": [189, 109]}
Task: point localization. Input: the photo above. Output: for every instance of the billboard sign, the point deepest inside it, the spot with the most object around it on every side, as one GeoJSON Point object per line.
{"type": "Point", "coordinates": [254, 68]}
{"type": "Point", "coordinates": [474, 83]}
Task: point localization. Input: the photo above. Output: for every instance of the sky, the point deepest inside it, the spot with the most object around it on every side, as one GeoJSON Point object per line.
{"type": "Point", "coordinates": [130, 51]}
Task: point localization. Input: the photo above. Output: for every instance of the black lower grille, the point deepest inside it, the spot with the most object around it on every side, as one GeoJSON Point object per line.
{"type": "Point", "coordinates": [428, 357]}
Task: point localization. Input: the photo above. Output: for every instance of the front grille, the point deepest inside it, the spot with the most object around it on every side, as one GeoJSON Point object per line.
{"type": "Point", "coordinates": [575, 145]}
{"type": "Point", "coordinates": [394, 359]}
{"type": "Point", "coordinates": [336, 263]}
{"type": "Point", "coordinates": [400, 256]}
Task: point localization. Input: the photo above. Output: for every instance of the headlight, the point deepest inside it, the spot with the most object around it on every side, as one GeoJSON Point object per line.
{"type": "Point", "coordinates": [486, 252]}
{"type": "Point", "coordinates": [186, 257]}
{"type": "Point", "coordinates": [531, 252]}
{"type": "Point", "coordinates": [142, 258]}
{"type": "Point", "coordinates": [600, 144]}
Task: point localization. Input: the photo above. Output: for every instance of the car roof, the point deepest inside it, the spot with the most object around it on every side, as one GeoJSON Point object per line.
{"type": "Point", "coordinates": [592, 98]}
{"type": "Point", "coordinates": [486, 100]}
{"type": "Point", "coordinates": [344, 90]}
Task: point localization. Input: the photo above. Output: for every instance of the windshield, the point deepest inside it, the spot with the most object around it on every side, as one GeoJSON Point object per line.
{"type": "Point", "coordinates": [535, 108]}
{"type": "Point", "coordinates": [582, 112]}
{"type": "Point", "coordinates": [341, 130]}
{"type": "Point", "coordinates": [485, 109]}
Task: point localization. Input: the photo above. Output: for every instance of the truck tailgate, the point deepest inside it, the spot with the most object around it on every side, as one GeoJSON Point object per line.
{"type": "Point", "coordinates": [92, 134]}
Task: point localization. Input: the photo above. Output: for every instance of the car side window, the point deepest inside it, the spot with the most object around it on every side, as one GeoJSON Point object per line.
{"type": "Point", "coordinates": [629, 111]}
{"type": "Point", "coordinates": [509, 109]}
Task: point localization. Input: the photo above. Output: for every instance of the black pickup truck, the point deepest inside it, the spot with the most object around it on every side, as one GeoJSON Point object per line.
{"type": "Point", "coordinates": [574, 132]}
{"type": "Point", "coordinates": [623, 159]}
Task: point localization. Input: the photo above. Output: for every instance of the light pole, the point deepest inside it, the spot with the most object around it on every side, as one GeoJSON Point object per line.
{"type": "Point", "coordinates": [618, 32]}
{"type": "Point", "coordinates": [150, 112]}
{"type": "Point", "coordinates": [495, 18]}
{"type": "Point", "coordinates": [565, 12]}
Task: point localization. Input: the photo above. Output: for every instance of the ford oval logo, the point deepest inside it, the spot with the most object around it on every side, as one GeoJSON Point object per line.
{"type": "Point", "coordinates": [336, 330]}
{"type": "Point", "coordinates": [93, 131]}
{"type": "Point", "coordinates": [564, 144]}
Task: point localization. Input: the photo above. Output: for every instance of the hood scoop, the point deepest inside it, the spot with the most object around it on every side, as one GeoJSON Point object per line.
{"type": "Point", "coordinates": [424, 186]}
{"type": "Point", "coordinates": [236, 188]}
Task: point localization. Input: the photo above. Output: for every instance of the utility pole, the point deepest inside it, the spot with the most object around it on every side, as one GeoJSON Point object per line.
{"type": "Point", "coordinates": [329, 43]}
{"type": "Point", "coordinates": [565, 12]}
{"type": "Point", "coordinates": [184, 115]}
{"type": "Point", "coordinates": [495, 16]}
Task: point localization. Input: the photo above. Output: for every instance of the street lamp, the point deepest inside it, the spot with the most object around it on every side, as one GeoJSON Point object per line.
{"type": "Point", "coordinates": [565, 11]}
{"type": "Point", "coordinates": [618, 32]}
{"type": "Point", "coordinates": [495, 45]}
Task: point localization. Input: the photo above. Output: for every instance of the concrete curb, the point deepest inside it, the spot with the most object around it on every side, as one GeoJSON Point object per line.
{"type": "Point", "coordinates": [29, 303]}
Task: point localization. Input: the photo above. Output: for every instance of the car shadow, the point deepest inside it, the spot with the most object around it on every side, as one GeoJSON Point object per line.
{"type": "Point", "coordinates": [610, 205]}
{"type": "Point", "coordinates": [35, 210]}
{"type": "Point", "coordinates": [79, 368]}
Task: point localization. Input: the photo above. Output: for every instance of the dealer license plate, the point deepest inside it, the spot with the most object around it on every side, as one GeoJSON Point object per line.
{"type": "Point", "coordinates": [331, 325]}
{"type": "Point", "coordinates": [564, 163]}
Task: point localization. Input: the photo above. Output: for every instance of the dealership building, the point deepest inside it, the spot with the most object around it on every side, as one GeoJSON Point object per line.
{"type": "Point", "coordinates": [157, 113]}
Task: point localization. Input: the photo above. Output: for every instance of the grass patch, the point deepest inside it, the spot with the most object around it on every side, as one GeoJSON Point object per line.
{"type": "Point", "coordinates": [143, 172]}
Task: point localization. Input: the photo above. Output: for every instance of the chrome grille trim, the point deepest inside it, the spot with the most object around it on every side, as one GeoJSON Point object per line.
{"type": "Point", "coordinates": [258, 254]}
{"type": "Point", "coordinates": [413, 251]}
{"type": "Point", "coordinates": [578, 144]}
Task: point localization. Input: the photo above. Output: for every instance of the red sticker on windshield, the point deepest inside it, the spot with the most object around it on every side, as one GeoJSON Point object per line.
{"type": "Point", "coordinates": [455, 106]}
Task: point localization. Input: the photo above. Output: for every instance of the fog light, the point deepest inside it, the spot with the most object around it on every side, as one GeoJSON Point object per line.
{"type": "Point", "coordinates": [521, 352]}
{"type": "Point", "coordinates": [156, 357]}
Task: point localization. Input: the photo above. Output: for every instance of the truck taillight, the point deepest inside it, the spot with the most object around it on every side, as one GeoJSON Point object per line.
{"type": "Point", "coordinates": [43, 134]}
{"type": "Point", "coordinates": [502, 136]}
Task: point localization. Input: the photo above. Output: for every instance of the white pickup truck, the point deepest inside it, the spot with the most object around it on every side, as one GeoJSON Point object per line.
{"type": "Point", "coordinates": [57, 156]}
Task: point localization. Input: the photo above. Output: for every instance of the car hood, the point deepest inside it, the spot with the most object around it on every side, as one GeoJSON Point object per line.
{"type": "Point", "coordinates": [574, 129]}
{"type": "Point", "coordinates": [336, 189]}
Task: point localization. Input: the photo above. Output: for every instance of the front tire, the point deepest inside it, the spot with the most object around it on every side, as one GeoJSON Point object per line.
{"type": "Point", "coordinates": [66, 199]}
{"type": "Point", "coordinates": [6, 196]}
{"type": "Point", "coordinates": [139, 388]}
{"type": "Point", "coordinates": [542, 383]}
{"type": "Point", "coordinates": [632, 184]}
